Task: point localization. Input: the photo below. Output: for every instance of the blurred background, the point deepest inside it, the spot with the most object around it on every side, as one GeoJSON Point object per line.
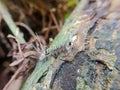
{"type": "Point", "coordinates": [44, 18]}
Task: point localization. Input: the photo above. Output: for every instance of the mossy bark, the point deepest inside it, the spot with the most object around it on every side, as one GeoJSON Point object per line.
{"type": "Point", "coordinates": [95, 68]}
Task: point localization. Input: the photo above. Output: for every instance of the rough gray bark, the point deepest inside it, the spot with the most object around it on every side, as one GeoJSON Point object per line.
{"type": "Point", "coordinates": [97, 68]}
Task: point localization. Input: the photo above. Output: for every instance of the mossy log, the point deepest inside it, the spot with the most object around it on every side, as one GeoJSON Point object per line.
{"type": "Point", "coordinates": [96, 67]}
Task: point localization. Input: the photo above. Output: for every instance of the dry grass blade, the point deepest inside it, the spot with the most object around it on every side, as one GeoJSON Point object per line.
{"type": "Point", "coordinates": [15, 76]}
{"type": "Point", "coordinates": [26, 27]}
{"type": "Point", "coordinates": [54, 19]}
{"type": "Point", "coordinates": [8, 19]}
{"type": "Point", "coordinates": [22, 55]}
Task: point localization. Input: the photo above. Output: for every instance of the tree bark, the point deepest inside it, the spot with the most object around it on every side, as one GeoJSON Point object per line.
{"type": "Point", "coordinates": [94, 68]}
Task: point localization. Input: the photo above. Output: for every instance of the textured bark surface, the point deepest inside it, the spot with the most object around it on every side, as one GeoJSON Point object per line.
{"type": "Point", "coordinates": [97, 68]}
{"type": "Point", "coordinates": [96, 63]}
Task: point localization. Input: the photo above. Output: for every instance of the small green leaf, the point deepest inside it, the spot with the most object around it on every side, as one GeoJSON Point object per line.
{"type": "Point", "coordinates": [66, 15]}
{"type": "Point", "coordinates": [72, 3]}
